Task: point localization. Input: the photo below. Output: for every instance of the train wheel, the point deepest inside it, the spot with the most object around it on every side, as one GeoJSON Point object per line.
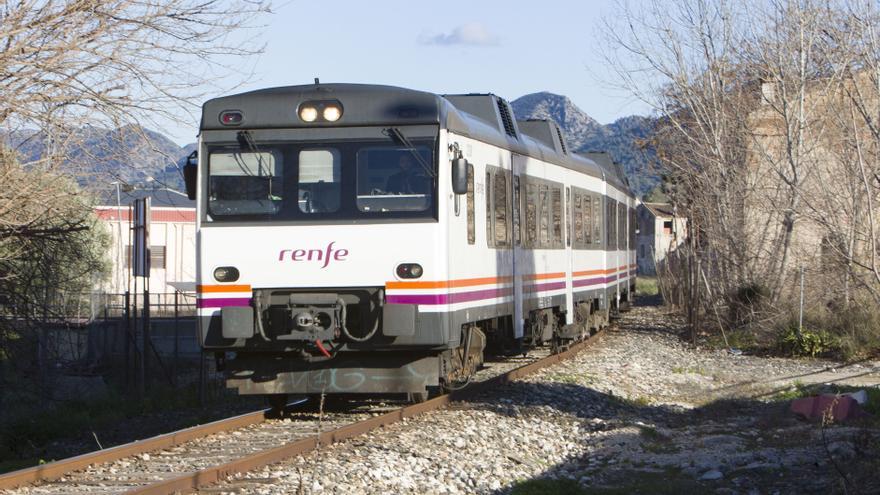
{"type": "Point", "coordinates": [277, 402]}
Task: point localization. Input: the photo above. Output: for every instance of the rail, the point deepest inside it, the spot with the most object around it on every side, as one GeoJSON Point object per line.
{"type": "Point", "coordinates": [210, 475]}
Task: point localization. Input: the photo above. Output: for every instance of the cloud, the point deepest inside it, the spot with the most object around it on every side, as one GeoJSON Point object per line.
{"type": "Point", "coordinates": [472, 33]}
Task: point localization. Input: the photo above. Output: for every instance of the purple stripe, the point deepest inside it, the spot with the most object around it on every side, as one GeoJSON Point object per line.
{"type": "Point", "coordinates": [223, 302]}
{"type": "Point", "coordinates": [456, 297]}
{"type": "Point", "coordinates": [593, 281]}
{"type": "Point", "coordinates": [543, 287]}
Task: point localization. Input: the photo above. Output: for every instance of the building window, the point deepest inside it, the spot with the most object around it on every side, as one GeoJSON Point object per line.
{"type": "Point", "coordinates": [157, 257]}
{"type": "Point", "coordinates": [667, 227]}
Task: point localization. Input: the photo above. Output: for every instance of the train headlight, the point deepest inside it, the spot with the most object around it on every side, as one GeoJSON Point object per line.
{"type": "Point", "coordinates": [409, 270]}
{"type": "Point", "coordinates": [332, 113]}
{"type": "Point", "coordinates": [226, 274]}
{"type": "Point", "coordinates": [308, 113]}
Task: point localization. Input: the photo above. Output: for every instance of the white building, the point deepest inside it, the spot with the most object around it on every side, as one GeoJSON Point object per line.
{"type": "Point", "coordinates": [172, 240]}
{"type": "Point", "coordinates": [660, 231]}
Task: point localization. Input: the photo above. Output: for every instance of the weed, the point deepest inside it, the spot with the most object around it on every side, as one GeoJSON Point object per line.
{"type": "Point", "coordinates": [695, 370]}
{"type": "Point", "coordinates": [808, 343]}
{"type": "Point", "coordinates": [647, 286]}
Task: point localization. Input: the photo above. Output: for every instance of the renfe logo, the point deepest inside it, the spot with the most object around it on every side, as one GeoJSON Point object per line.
{"type": "Point", "coordinates": [324, 255]}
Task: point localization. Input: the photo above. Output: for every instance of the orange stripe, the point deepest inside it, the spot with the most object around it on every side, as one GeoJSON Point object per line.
{"type": "Point", "coordinates": [591, 272]}
{"type": "Point", "coordinates": [543, 276]}
{"type": "Point", "coordinates": [446, 284]}
{"type": "Point", "coordinates": [223, 288]}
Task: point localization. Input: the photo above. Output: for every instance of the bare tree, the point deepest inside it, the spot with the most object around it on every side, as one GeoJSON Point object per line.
{"type": "Point", "coordinates": [71, 67]}
{"type": "Point", "coordinates": [768, 119]}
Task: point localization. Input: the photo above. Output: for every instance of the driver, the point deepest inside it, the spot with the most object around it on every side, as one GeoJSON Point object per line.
{"type": "Point", "coordinates": [405, 180]}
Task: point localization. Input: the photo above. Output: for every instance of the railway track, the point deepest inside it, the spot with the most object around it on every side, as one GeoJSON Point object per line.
{"type": "Point", "coordinates": [199, 456]}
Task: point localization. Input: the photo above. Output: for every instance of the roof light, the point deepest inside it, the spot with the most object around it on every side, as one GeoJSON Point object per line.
{"type": "Point", "coordinates": [231, 117]}
{"type": "Point", "coordinates": [308, 113]}
{"type": "Point", "coordinates": [332, 113]}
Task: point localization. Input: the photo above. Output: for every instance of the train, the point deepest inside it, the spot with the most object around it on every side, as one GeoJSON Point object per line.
{"type": "Point", "coordinates": [368, 239]}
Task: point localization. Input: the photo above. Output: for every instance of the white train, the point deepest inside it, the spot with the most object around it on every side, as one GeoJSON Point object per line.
{"type": "Point", "coordinates": [373, 239]}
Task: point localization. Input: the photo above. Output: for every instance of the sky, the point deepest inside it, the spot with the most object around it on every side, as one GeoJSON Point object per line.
{"type": "Point", "coordinates": [509, 48]}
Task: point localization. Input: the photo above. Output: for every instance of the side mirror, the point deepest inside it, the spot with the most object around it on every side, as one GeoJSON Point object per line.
{"type": "Point", "coordinates": [459, 176]}
{"type": "Point", "coordinates": [190, 174]}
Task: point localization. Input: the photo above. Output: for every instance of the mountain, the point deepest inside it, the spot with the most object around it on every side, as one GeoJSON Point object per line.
{"type": "Point", "coordinates": [98, 156]}
{"type": "Point", "coordinates": [577, 124]}
{"type": "Point", "coordinates": [621, 139]}
{"type": "Point", "coordinates": [140, 156]}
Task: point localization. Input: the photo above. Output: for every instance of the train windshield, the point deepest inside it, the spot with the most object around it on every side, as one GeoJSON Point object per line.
{"type": "Point", "coordinates": [318, 181]}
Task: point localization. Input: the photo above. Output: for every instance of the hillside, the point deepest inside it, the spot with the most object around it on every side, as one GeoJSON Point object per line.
{"type": "Point", "coordinates": [97, 156]}
{"type": "Point", "coordinates": [621, 138]}
{"type": "Point", "coordinates": [140, 156]}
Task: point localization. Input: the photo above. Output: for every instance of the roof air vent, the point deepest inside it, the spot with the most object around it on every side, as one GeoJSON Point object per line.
{"type": "Point", "coordinates": [561, 139]}
{"type": "Point", "coordinates": [506, 119]}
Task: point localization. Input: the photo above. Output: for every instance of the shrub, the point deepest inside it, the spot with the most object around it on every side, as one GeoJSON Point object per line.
{"type": "Point", "coordinates": [809, 343]}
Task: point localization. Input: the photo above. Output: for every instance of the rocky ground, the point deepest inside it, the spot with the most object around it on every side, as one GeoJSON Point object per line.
{"type": "Point", "coordinates": [639, 412]}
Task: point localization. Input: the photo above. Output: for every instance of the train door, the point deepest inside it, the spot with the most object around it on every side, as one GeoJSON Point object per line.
{"type": "Point", "coordinates": [520, 262]}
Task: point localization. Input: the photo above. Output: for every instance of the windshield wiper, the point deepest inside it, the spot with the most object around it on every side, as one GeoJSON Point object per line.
{"type": "Point", "coordinates": [394, 133]}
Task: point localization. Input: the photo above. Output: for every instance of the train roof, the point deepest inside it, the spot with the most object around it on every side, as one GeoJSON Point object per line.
{"type": "Point", "coordinates": [483, 117]}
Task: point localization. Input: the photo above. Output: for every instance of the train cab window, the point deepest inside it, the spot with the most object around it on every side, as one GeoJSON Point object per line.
{"type": "Point", "coordinates": [320, 183]}
{"type": "Point", "coordinates": [244, 183]}
{"type": "Point", "coordinates": [556, 200]}
{"type": "Point", "coordinates": [394, 179]}
{"type": "Point", "coordinates": [471, 220]}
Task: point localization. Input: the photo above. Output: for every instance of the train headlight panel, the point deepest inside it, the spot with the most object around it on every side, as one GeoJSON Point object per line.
{"type": "Point", "coordinates": [409, 270]}
{"type": "Point", "coordinates": [308, 113]}
{"type": "Point", "coordinates": [320, 111]}
{"type": "Point", "coordinates": [226, 274]}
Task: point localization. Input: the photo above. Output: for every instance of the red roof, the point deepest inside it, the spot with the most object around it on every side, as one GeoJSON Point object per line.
{"type": "Point", "coordinates": [176, 215]}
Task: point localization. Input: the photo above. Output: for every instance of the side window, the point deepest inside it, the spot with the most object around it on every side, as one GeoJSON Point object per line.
{"type": "Point", "coordinates": [544, 215]}
{"type": "Point", "coordinates": [471, 228]}
{"type": "Point", "coordinates": [597, 221]}
{"type": "Point", "coordinates": [490, 239]}
{"type": "Point", "coordinates": [531, 214]}
{"type": "Point", "coordinates": [579, 219]}
{"type": "Point", "coordinates": [556, 200]}
{"type": "Point", "coordinates": [501, 207]}
{"type": "Point", "coordinates": [588, 220]}
{"type": "Point", "coordinates": [568, 216]}
{"type": "Point", "coordinates": [517, 211]}
{"type": "Point", "coordinates": [621, 226]}
{"type": "Point", "coordinates": [611, 224]}
{"type": "Point", "coordinates": [633, 225]}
